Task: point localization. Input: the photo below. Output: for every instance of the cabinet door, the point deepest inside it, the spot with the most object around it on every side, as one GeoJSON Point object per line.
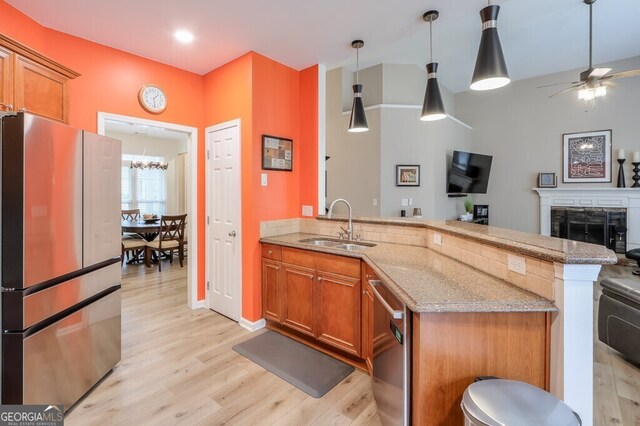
{"type": "Point", "coordinates": [367, 325]}
{"type": "Point", "coordinates": [6, 80]}
{"type": "Point", "coordinates": [337, 301]}
{"type": "Point", "coordinates": [297, 307]}
{"type": "Point", "coordinates": [40, 90]}
{"type": "Point", "coordinates": [271, 290]}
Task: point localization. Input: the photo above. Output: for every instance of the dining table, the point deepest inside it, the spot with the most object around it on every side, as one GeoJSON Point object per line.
{"type": "Point", "coordinates": [148, 230]}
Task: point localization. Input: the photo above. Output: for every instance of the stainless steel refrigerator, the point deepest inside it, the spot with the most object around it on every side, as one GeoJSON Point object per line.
{"type": "Point", "coordinates": [60, 252]}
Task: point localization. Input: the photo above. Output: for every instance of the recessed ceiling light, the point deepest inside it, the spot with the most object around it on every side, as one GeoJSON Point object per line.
{"type": "Point", "coordinates": [183, 36]}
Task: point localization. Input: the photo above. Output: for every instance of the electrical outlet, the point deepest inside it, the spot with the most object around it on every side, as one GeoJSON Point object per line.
{"type": "Point", "coordinates": [307, 210]}
{"type": "Point", "coordinates": [437, 239]}
{"type": "Point", "coordinates": [405, 202]}
{"type": "Point", "coordinates": [375, 202]}
{"type": "Point", "coordinates": [410, 201]}
{"type": "Point", "coordinates": [263, 179]}
{"type": "Point", "coordinates": [517, 264]}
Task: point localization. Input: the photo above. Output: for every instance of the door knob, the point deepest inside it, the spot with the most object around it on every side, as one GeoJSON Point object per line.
{"type": "Point", "coordinates": [232, 233]}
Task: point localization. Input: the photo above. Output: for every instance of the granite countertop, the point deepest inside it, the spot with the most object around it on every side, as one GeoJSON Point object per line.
{"type": "Point", "coordinates": [538, 246]}
{"type": "Point", "coordinates": [427, 281]}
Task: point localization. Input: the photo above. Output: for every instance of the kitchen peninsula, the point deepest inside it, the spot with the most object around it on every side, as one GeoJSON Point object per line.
{"type": "Point", "coordinates": [483, 301]}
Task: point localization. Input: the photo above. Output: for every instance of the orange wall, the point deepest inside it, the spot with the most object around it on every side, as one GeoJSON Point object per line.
{"type": "Point", "coordinates": [109, 82]}
{"type": "Point", "coordinates": [268, 98]}
{"type": "Point", "coordinates": [269, 103]}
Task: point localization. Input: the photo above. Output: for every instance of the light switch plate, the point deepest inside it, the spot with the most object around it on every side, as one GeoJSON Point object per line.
{"type": "Point", "coordinates": [263, 179]}
{"type": "Point", "coordinates": [517, 264]}
{"type": "Point", "coordinates": [405, 202]}
{"type": "Point", "coordinates": [437, 239]}
{"type": "Point", "coordinates": [410, 201]}
{"type": "Point", "coordinates": [307, 210]}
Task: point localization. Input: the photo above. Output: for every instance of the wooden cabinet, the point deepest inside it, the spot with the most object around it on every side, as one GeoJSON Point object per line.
{"type": "Point", "coordinates": [338, 311]}
{"type": "Point", "coordinates": [297, 298]}
{"type": "Point", "coordinates": [367, 317]}
{"type": "Point", "coordinates": [31, 82]}
{"type": "Point", "coordinates": [271, 291]}
{"type": "Point", "coordinates": [316, 295]}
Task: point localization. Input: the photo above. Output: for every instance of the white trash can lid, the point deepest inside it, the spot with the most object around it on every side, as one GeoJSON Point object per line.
{"type": "Point", "coordinates": [498, 402]}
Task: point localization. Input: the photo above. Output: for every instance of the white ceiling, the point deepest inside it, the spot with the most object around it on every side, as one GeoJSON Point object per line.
{"type": "Point", "coordinates": [538, 36]}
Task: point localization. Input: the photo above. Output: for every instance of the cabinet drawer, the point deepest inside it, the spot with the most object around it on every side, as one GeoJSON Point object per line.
{"type": "Point", "coordinates": [299, 257]}
{"type": "Point", "coordinates": [332, 263]}
{"type": "Point", "coordinates": [347, 266]}
{"type": "Point", "coordinates": [270, 251]}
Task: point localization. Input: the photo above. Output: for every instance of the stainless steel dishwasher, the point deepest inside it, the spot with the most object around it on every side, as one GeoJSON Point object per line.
{"type": "Point", "coordinates": [391, 356]}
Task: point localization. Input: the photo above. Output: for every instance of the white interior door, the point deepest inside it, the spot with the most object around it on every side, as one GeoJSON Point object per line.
{"type": "Point", "coordinates": [224, 248]}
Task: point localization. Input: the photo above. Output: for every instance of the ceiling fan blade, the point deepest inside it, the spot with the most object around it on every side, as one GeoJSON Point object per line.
{"type": "Point", "coordinates": [623, 74]}
{"type": "Point", "coordinates": [567, 90]}
{"type": "Point", "coordinates": [599, 72]}
{"type": "Point", "coordinates": [557, 84]}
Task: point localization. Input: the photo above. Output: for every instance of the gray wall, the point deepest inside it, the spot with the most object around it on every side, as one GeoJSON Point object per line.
{"type": "Point", "coordinates": [362, 165]}
{"type": "Point", "coordinates": [522, 128]}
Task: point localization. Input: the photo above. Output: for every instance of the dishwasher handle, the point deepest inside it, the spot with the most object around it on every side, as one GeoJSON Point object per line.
{"type": "Point", "coordinates": [394, 314]}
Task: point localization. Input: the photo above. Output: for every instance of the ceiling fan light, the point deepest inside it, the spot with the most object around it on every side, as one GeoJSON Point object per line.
{"type": "Point", "coordinates": [490, 71]}
{"type": "Point", "coordinates": [586, 94]}
{"type": "Point", "coordinates": [432, 107]}
{"type": "Point", "coordinates": [358, 121]}
{"type": "Point", "coordinates": [600, 91]}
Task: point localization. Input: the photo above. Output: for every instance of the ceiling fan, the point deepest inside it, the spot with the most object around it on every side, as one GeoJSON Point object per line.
{"type": "Point", "coordinates": [593, 81]}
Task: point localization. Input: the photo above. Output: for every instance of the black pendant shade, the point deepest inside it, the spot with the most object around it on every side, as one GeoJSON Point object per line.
{"type": "Point", "coordinates": [358, 122]}
{"type": "Point", "coordinates": [491, 70]}
{"type": "Point", "coordinates": [432, 107]}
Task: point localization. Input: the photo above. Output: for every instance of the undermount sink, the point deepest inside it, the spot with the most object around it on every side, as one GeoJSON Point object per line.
{"type": "Point", "coordinates": [353, 246]}
{"type": "Point", "coordinates": [340, 244]}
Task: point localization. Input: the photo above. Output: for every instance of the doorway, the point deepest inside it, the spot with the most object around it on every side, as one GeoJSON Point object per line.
{"type": "Point", "coordinates": [191, 182]}
{"type": "Point", "coordinates": [224, 220]}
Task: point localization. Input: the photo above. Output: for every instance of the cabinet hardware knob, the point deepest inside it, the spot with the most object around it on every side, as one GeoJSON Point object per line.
{"type": "Point", "coordinates": [277, 268]}
{"type": "Point", "coordinates": [232, 233]}
{"type": "Point", "coordinates": [270, 252]}
{"type": "Point", "coordinates": [319, 278]}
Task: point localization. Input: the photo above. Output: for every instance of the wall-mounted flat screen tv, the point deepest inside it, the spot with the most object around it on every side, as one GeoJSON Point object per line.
{"type": "Point", "coordinates": [469, 173]}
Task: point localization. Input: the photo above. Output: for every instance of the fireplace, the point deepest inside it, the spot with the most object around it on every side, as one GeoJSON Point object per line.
{"type": "Point", "coordinates": [603, 226]}
{"type": "Point", "coordinates": [608, 199]}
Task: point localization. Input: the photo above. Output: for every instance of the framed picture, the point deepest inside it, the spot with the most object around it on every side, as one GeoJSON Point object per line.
{"type": "Point", "coordinates": [547, 180]}
{"type": "Point", "coordinates": [480, 211]}
{"type": "Point", "coordinates": [407, 175]}
{"type": "Point", "coordinates": [587, 157]}
{"type": "Point", "coordinates": [277, 153]}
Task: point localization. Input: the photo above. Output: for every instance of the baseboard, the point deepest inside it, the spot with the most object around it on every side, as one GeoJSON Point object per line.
{"type": "Point", "coordinates": [199, 304]}
{"type": "Point", "coordinates": [252, 326]}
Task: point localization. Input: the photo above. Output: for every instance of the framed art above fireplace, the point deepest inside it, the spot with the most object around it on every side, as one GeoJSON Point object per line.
{"type": "Point", "coordinates": [586, 157]}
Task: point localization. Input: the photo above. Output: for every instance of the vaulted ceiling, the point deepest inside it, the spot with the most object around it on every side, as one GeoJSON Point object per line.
{"type": "Point", "coordinates": [538, 36]}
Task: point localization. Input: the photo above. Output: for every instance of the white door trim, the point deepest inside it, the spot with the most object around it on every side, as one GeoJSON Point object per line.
{"type": "Point", "coordinates": [207, 267]}
{"type": "Point", "coordinates": [192, 184]}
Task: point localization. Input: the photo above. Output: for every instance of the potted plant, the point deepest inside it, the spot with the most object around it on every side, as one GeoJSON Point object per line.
{"type": "Point", "coordinates": [468, 207]}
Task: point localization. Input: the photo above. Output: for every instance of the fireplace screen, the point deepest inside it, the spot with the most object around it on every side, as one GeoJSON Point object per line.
{"type": "Point", "coordinates": [607, 227]}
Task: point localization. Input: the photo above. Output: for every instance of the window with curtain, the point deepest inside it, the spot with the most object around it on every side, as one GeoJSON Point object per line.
{"type": "Point", "coordinates": [143, 189]}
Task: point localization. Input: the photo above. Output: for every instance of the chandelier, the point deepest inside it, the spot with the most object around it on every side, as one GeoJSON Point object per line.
{"type": "Point", "coordinates": [149, 165]}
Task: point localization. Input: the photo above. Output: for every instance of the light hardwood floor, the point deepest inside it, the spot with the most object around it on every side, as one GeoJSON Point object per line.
{"type": "Point", "coordinates": [178, 368]}
{"type": "Point", "coordinates": [616, 380]}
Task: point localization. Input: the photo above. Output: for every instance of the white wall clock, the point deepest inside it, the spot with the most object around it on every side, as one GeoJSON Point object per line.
{"type": "Point", "coordinates": [152, 98]}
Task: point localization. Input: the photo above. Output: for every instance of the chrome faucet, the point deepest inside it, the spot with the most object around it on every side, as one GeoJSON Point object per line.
{"type": "Point", "coordinates": [349, 230]}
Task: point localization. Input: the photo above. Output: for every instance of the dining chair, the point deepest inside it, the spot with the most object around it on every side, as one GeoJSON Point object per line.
{"type": "Point", "coordinates": [171, 238]}
{"type": "Point", "coordinates": [130, 215]}
{"type": "Point", "coordinates": [132, 246]}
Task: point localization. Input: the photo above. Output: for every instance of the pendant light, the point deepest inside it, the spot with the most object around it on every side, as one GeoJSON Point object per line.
{"type": "Point", "coordinates": [358, 122]}
{"type": "Point", "coordinates": [432, 107]}
{"type": "Point", "coordinates": [491, 70]}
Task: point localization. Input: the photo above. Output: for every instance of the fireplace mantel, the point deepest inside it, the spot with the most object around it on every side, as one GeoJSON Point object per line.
{"type": "Point", "coordinates": [626, 198]}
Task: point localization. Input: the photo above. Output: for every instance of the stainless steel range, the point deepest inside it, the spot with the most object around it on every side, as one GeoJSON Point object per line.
{"type": "Point", "coordinates": [60, 255]}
